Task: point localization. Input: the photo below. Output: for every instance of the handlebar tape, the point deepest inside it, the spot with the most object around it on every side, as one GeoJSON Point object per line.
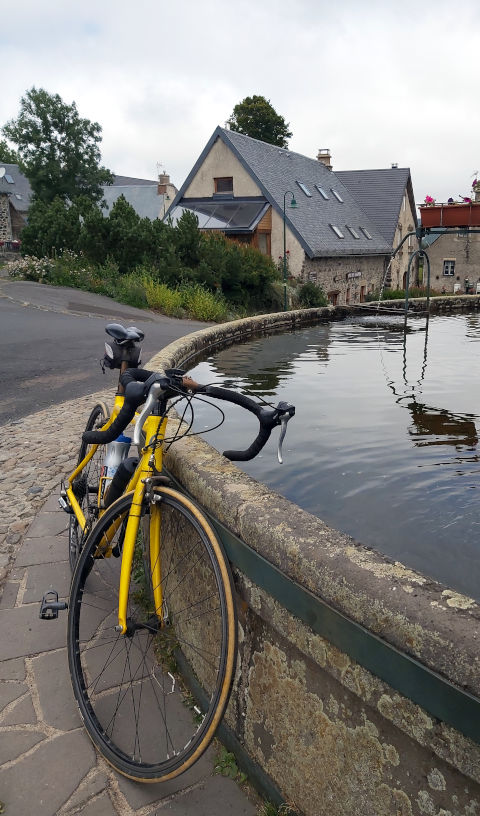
{"type": "Point", "coordinates": [266, 417]}
{"type": "Point", "coordinates": [134, 396]}
{"type": "Point", "coordinates": [253, 450]}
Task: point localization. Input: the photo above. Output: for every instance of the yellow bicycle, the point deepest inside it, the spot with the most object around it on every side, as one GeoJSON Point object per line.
{"type": "Point", "coordinates": [152, 622]}
{"type": "Point", "coordinates": [84, 495]}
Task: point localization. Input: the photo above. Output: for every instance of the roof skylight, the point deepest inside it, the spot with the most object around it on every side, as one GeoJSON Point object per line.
{"type": "Point", "coordinates": [304, 188]}
{"type": "Point", "coordinates": [337, 195]}
{"type": "Point", "coordinates": [9, 178]}
{"type": "Point", "coordinates": [353, 231]}
{"type": "Point", "coordinates": [322, 192]}
{"type": "Point", "coordinates": [338, 232]}
{"type": "Point", "coordinates": [366, 233]}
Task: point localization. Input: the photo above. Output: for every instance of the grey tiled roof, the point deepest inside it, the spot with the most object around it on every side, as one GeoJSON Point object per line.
{"type": "Point", "coordinates": [144, 199]}
{"type": "Point", "coordinates": [20, 191]}
{"type": "Point", "coordinates": [121, 181]}
{"type": "Point", "coordinates": [380, 194]}
{"type": "Point", "coordinates": [276, 171]}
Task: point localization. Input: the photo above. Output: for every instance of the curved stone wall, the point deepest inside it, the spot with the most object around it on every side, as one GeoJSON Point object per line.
{"type": "Point", "coordinates": [358, 683]}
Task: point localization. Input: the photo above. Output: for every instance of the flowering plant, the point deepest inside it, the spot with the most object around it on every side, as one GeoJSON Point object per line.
{"type": "Point", "coordinates": [429, 201]}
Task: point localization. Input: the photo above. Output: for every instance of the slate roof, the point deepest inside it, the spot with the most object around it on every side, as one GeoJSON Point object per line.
{"type": "Point", "coordinates": [276, 171]}
{"type": "Point", "coordinates": [121, 181]}
{"type": "Point", "coordinates": [144, 198]}
{"type": "Point", "coordinates": [380, 195]}
{"type": "Point", "coordinates": [20, 191]}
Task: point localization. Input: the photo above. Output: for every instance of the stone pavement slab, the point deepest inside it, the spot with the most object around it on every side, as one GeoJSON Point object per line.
{"type": "Point", "coordinates": [23, 633]}
{"type": "Point", "coordinates": [206, 799]}
{"type": "Point", "coordinates": [41, 578]}
{"type": "Point", "coordinates": [46, 550]}
{"type": "Point", "coordinates": [43, 779]}
{"type": "Point", "coordinates": [100, 806]}
{"type": "Point", "coordinates": [52, 680]}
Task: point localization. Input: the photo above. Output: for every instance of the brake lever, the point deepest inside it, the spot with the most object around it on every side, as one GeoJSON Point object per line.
{"type": "Point", "coordinates": [287, 412]}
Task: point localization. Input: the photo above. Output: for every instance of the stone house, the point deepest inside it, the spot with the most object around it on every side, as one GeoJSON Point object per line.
{"type": "Point", "coordinates": [454, 259]}
{"type": "Point", "coordinates": [342, 231]}
{"type": "Point", "coordinates": [15, 194]}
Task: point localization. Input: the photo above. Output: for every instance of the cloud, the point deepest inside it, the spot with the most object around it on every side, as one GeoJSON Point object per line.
{"type": "Point", "coordinates": [375, 82]}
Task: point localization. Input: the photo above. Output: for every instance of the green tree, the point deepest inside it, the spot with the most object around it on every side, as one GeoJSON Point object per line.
{"type": "Point", "coordinates": [7, 155]}
{"type": "Point", "coordinates": [256, 117]}
{"type": "Point", "coordinates": [52, 226]}
{"type": "Point", "coordinates": [58, 150]}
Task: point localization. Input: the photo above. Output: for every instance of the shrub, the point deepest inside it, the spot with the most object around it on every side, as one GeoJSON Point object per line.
{"type": "Point", "coordinates": [161, 297]}
{"type": "Point", "coordinates": [310, 295]}
{"type": "Point", "coordinates": [202, 304]}
{"type": "Point", "coordinates": [31, 268]}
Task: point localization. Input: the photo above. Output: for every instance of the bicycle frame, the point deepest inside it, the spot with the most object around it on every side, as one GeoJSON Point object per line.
{"type": "Point", "coordinates": [119, 399]}
{"type": "Point", "coordinates": [150, 463]}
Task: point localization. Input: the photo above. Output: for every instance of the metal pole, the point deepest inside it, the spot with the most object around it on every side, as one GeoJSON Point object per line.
{"type": "Point", "coordinates": [284, 256]}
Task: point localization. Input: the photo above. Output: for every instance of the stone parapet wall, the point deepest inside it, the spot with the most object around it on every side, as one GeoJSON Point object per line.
{"type": "Point", "coordinates": [326, 697]}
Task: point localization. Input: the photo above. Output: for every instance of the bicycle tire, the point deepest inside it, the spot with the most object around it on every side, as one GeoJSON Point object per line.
{"type": "Point", "coordinates": [85, 486]}
{"type": "Point", "coordinates": [133, 702]}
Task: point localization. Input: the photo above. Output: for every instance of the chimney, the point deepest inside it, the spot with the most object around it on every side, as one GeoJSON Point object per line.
{"type": "Point", "coordinates": [325, 157]}
{"type": "Point", "coordinates": [163, 180]}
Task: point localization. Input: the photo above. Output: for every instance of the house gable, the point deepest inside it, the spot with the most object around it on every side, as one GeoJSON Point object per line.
{"type": "Point", "coordinates": [221, 156]}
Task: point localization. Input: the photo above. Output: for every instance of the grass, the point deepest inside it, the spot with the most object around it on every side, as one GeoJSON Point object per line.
{"type": "Point", "coordinates": [139, 288]}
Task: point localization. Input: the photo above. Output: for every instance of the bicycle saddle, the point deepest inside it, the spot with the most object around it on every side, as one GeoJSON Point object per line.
{"type": "Point", "coordinates": [123, 335]}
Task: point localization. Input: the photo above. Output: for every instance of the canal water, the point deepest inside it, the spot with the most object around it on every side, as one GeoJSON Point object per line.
{"type": "Point", "coordinates": [384, 445]}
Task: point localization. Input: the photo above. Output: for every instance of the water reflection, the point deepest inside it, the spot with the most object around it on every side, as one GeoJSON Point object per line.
{"type": "Point", "coordinates": [384, 445]}
{"type": "Point", "coordinates": [433, 425]}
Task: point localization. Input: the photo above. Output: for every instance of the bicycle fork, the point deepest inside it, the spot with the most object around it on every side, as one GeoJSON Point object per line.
{"type": "Point", "coordinates": [130, 539]}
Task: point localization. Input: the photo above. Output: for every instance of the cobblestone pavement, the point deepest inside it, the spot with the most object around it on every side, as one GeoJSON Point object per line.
{"type": "Point", "coordinates": [48, 765]}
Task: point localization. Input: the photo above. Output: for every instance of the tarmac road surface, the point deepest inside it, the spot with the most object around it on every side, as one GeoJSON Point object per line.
{"type": "Point", "coordinates": [52, 339]}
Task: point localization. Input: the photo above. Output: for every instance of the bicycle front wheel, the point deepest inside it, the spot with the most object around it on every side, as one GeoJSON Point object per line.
{"type": "Point", "coordinates": [152, 699]}
{"type": "Point", "coordinates": [86, 485]}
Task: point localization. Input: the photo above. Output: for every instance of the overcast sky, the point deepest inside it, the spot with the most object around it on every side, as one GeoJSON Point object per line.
{"type": "Point", "coordinates": [376, 82]}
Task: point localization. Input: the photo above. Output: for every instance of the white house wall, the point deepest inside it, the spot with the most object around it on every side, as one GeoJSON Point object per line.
{"type": "Point", "coordinates": [221, 162]}
{"type": "Point", "coordinates": [296, 254]}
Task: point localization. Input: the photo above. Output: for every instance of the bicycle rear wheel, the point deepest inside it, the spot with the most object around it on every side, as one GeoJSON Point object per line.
{"type": "Point", "coordinates": [152, 699]}
{"type": "Point", "coordinates": [86, 485]}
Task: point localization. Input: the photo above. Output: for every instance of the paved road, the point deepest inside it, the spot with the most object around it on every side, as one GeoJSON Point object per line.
{"type": "Point", "coordinates": [52, 340]}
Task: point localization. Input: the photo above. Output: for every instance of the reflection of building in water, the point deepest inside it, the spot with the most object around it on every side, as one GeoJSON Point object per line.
{"type": "Point", "coordinates": [261, 364]}
{"type": "Point", "coordinates": [432, 426]}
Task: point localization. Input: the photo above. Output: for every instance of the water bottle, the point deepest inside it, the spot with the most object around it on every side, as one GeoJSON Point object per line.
{"type": "Point", "coordinates": [117, 451]}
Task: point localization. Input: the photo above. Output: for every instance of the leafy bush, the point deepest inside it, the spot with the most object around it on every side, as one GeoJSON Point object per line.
{"type": "Point", "coordinates": [310, 295]}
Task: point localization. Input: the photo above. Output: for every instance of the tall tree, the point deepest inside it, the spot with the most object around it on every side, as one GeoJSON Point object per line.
{"type": "Point", "coordinates": [256, 117]}
{"type": "Point", "coordinates": [58, 150]}
{"type": "Point", "coordinates": [7, 155]}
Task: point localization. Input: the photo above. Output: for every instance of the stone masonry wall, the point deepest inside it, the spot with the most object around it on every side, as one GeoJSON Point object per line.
{"type": "Point", "coordinates": [334, 738]}
{"type": "Point", "coordinates": [5, 223]}
{"type": "Point", "coordinates": [346, 280]}
{"type": "Point", "coordinates": [464, 251]}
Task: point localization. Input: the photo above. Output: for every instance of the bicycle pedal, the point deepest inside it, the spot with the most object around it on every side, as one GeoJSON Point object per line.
{"type": "Point", "coordinates": [50, 605]}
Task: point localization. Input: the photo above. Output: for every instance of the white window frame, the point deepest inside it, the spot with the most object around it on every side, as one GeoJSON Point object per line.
{"type": "Point", "coordinates": [449, 267]}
